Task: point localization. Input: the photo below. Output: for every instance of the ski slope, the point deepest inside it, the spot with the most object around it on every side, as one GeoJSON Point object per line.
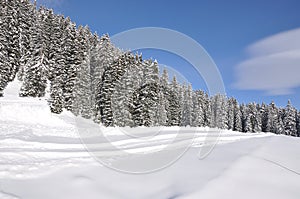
{"type": "Point", "coordinates": [42, 155]}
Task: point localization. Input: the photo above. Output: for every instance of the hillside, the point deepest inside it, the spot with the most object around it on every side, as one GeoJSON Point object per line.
{"type": "Point", "coordinates": [42, 149]}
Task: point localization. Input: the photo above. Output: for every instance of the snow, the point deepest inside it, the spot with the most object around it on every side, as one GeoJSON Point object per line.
{"type": "Point", "coordinates": [267, 172]}
{"type": "Point", "coordinates": [42, 156]}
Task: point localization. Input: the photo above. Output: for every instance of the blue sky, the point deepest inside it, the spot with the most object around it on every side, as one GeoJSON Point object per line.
{"type": "Point", "coordinates": [254, 43]}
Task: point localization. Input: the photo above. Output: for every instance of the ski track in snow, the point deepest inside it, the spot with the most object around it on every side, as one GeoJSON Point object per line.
{"type": "Point", "coordinates": [4, 195]}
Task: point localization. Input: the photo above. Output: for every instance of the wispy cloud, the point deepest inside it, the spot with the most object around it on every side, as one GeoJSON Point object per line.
{"type": "Point", "coordinates": [273, 66]}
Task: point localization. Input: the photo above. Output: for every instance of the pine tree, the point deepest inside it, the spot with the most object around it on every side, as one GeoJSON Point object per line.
{"type": "Point", "coordinates": [146, 97]}
{"type": "Point", "coordinates": [97, 70]}
{"type": "Point", "coordinates": [218, 106]}
{"type": "Point", "coordinates": [169, 109]}
{"type": "Point", "coordinates": [26, 20]}
{"type": "Point", "coordinates": [111, 77]}
{"type": "Point", "coordinates": [280, 125]}
{"type": "Point", "coordinates": [134, 82]}
{"type": "Point", "coordinates": [124, 88]}
{"type": "Point", "coordinates": [56, 96]}
{"type": "Point", "coordinates": [101, 64]}
{"type": "Point", "coordinates": [164, 81]}
{"type": "Point", "coordinates": [237, 117]}
{"type": "Point", "coordinates": [265, 118]}
{"type": "Point", "coordinates": [56, 66]}
{"type": "Point", "coordinates": [72, 63]}
{"type": "Point", "coordinates": [230, 114]}
{"type": "Point", "coordinates": [174, 109]}
{"type": "Point", "coordinates": [245, 118]}
{"type": "Point", "coordinates": [274, 118]}
{"type": "Point", "coordinates": [106, 90]}
{"type": "Point", "coordinates": [198, 112]}
{"type": "Point", "coordinates": [13, 36]}
{"type": "Point", "coordinates": [187, 106]}
{"type": "Point", "coordinates": [4, 64]}
{"type": "Point", "coordinates": [35, 78]}
{"type": "Point", "coordinates": [252, 119]}
{"type": "Point", "coordinates": [207, 112]}
{"type": "Point", "coordinates": [82, 104]}
{"type": "Point", "coordinates": [46, 25]}
{"type": "Point", "coordinates": [161, 114]}
{"type": "Point", "coordinates": [163, 108]}
{"type": "Point", "coordinates": [258, 118]}
{"type": "Point", "coordinates": [290, 120]}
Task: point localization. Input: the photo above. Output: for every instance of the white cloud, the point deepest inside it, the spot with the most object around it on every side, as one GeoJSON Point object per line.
{"type": "Point", "coordinates": [284, 41]}
{"type": "Point", "coordinates": [273, 66]}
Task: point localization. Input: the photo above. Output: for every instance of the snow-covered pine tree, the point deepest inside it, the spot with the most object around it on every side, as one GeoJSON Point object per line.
{"type": "Point", "coordinates": [202, 102]}
{"type": "Point", "coordinates": [230, 114]}
{"type": "Point", "coordinates": [146, 97]}
{"type": "Point", "coordinates": [164, 81]}
{"type": "Point", "coordinates": [108, 52]}
{"type": "Point", "coordinates": [218, 106]}
{"type": "Point", "coordinates": [161, 114]}
{"type": "Point", "coordinates": [72, 63]}
{"type": "Point", "coordinates": [187, 106]}
{"type": "Point", "coordinates": [215, 106]}
{"type": "Point", "coordinates": [163, 108]}
{"type": "Point", "coordinates": [104, 95]}
{"type": "Point", "coordinates": [35, 78]}
{"type": "Point", "coordinates": [237, 117]}
{"type": "Point", "coordinates": [253, 118]}
{"type": "Point", "coordinates": [82, 103]}
{"type": "Point", "coordinates": [207, 111]}
{"type": "Point", "coordinates": [265, 118]}
{"type": "Point", "coordinates": [152, 82]}
{"type": "Point", "coordinates": [124, 88]}
{"type": "Point", "coordinates": [257, 124]}
{"type": "Point", "coordinates": [111, 77]}
{"type": "Point", "coordinates": [100, 63]}
{"type": "Point", "coordinates": [13, 36]}
{"type": "Point", "coordinates": [56, 96]}
{"type": "Point", "coordinates": [97, 70]}
{"type": "Point", "coordinates": [258, 118]}
{"type": "Point", "coordinates": [197, 112]}
{"type": "Point", "coordinates": [4, 64]}
{"type": "Point", "coordinates": [56, 66]}
{"type": "Point", "coordinates": [290, 120]}
{"type": "Point", "coordinates": [223, 123]}
{"type": "Point", "coordinates": [134, 76]}
{"type": "Point", "coordinates": [245, 118]}
{"type": "Point", "coordinates": [26, 19]}
{"type": "Point", "coordinates": [280, 126]}
{"type": "Point", "coordinates": [47, 17]}
{"type": "Point", "coordinates": [273, 118]}
{"type": "Point", "coordinates": [174, 112]}
{"type": "Point", "coordinates": [180, 90]}
{"type": "Point", "coordinates": [170, 100]}
{"type": "Point", "coordinates": [195, 115]}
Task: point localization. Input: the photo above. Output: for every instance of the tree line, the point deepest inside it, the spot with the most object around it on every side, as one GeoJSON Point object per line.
{"type": "Point", "coordinates": [87, 75]}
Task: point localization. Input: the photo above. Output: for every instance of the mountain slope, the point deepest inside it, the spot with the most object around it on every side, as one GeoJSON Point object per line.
{"type": "Point", "coordinates": [44, 150]}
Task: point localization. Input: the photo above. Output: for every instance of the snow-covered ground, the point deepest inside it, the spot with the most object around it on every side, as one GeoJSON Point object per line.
{"type": "Point", "coordinates": [42, 155]}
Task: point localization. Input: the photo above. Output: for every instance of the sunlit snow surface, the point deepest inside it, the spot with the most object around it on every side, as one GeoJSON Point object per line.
{"type": "Point", "coordinates": [42, 156]}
